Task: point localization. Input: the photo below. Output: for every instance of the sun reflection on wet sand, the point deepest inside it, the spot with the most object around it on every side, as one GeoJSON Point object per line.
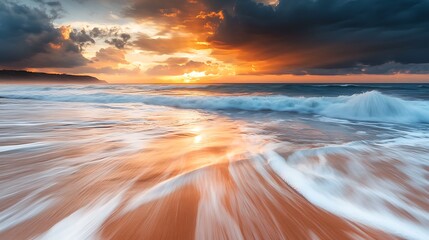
{"type": "Point", "coordinates": [197, 139]}
{"type": "Point", "coordinates": [178, 174]}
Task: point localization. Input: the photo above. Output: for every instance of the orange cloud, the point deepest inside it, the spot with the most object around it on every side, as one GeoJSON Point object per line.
{"type": "Point", "coordinates": [210, 15]}
{"type": "Point", "coordinates": [65, 32]}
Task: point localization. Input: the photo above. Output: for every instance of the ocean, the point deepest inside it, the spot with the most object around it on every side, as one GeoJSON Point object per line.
{"type": "Point", "coordinates": [214, 161]}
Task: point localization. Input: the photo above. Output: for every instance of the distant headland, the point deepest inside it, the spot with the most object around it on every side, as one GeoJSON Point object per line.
{"type": "Point", "coordinates": [21, 76]}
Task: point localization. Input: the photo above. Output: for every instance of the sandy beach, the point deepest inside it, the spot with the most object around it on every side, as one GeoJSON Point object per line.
{"type": "Point", "coordinates": [127, 170]}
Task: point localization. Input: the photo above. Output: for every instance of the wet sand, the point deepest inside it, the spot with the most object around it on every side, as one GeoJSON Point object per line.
{"type": "Point", "coordinates": [202, 182]}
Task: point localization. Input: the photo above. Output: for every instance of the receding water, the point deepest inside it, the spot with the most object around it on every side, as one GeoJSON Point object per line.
{"type": "Point", "coordinates": [268, 161]}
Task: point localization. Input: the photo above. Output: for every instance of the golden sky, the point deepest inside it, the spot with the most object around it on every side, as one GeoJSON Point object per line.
{"type": "Point", "coordinates": [191, 41]}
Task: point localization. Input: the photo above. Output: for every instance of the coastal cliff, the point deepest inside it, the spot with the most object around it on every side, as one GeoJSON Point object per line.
{"type": "Point", "coordinates": [20, 76]}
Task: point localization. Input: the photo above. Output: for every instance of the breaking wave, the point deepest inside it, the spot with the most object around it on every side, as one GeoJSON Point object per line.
{"type": "Point", "coordinates": [374, 106]}
{"type": "Point", "coordinates": [367, 106]}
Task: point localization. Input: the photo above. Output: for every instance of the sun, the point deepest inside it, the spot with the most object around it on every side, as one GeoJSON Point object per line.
{"type": "Point", "coordinates": [193, 76]}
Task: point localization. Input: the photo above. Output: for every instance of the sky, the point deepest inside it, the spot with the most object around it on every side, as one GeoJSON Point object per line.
{"type": "Point", "coordinates": [191, 41]}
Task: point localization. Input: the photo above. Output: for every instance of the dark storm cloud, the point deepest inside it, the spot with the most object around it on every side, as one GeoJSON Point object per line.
{"type": "Point", "coordinates": [119, 42]}
{"type": "Point", "coordinates": [158, 9]}
{"type": "Point", "coordinates": [310, 36]}
{"type": "Point", "coordinates": [329, 34]}
{"type": "Point", "coordinates": [81, 38]}
{"type": "Point", "coordinates": [29, 39]}
{"type": "Point", "coordinates": [80, 1]}
{"type": "Point", "coordinates": [385, 68]}
{"type": "Point", "coordinates": [168, 8]}
{"type": "Point", "coordinates": [97, 32]}
{"type": "Point", "coordinates": [54, 8]}
{"type": "Point", "coordinates": [113, 36]}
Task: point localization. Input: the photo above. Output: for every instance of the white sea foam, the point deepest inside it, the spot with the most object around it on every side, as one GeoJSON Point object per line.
{"type": "Point", "coordinates": [22, 211]}
{"type": "Point", "coordinates": [103, 145]}
{"type": "Point", "coordinates": [368, 106]}
{"type": "Point", "coordinates": [160, 190]}
{"type": "Point", "coordinates": [84, 223]}
{"type": "Point", "coordinates": [375, 106]}
{"type": "Point", "coordinates": [345, 181]}
{"type": "Point", "coordinates": [20, 146]}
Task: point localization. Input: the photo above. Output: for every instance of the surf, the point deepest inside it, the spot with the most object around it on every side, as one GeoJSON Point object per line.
{"type": "Point", "coordinates": [367, 106]}
{"type": "Point", "coordinates": [375, 191]}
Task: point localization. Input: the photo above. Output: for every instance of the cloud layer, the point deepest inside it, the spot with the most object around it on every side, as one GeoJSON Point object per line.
{"type": "Point", "coordinates": [300, 37]}
{"type": "Point", "coordinates": [29, 40]}
{"type": "Point", "coordinates": [305, 36]}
